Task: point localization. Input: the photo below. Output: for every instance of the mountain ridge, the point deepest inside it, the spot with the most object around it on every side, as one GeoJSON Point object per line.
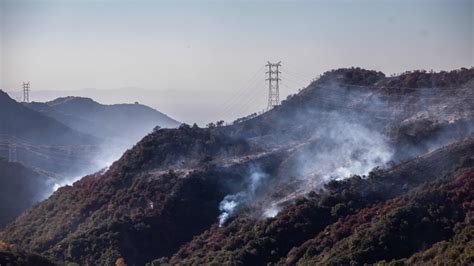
{"type": "Point", "coordinates": [125, 122]}
{"type": "Point", "coordinates": [38, 138]}
{"type": "Point", "coordinates": [276, 180]}
{"type": "Point", "coordinates": [34, 127]}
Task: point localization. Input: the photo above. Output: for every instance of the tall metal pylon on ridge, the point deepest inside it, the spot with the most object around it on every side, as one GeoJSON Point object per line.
{"type": "Point", "coordinates": [12, 154]}
{"type": "Point", "coordinates": [273, 84]}
{"type": "Point", "coordinates": [26, 92]}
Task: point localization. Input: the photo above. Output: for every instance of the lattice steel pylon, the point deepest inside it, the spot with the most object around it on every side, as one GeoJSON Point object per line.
{"type": "Point", "coordinates": [273, 84]}
{"type": "Point", "coordinates": [26, 92]}
{"type": "Point", "coordinates": [12, 153]}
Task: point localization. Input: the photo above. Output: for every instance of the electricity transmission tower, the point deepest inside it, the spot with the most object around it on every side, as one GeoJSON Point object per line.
{"type": "Point", "coordinates": [273, 84]}
{"type": "Point", "coordinates": [12, 154]}
{"type": "Point", "coordinates": [26, 92]}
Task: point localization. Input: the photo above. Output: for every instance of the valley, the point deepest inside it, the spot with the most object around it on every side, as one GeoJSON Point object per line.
{"type": "Point", "coordinates": [340, 173]}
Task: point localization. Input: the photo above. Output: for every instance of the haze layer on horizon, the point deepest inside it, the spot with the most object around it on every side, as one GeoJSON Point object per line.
{"type": "Point", "coordinates": [203, 60]}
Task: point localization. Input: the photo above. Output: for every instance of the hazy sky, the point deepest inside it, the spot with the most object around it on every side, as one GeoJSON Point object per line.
{"type": "Point", "coordinates": [199, 57]}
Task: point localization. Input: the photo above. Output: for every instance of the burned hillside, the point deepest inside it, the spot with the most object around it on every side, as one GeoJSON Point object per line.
{"type": "Point", "coordinates": [337, 167]}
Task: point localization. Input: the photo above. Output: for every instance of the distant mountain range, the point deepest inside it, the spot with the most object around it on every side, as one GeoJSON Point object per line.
{"type": "Point", "coordinates": [125, 122]}
{"type": "Point", "coordinates": [21, 122]}
{"type": "Point", "coordinates": [63, 139]}
{"type": "Point", "coordinates": [357, 168]}
{"type": "Point", "coordinates": [42, 142]}
{"type": "Point", "coordinates": [175, 102]}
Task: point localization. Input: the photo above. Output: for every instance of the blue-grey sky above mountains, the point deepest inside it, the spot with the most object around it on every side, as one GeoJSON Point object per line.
{"type": "Point", "coordinates": [195, 56]}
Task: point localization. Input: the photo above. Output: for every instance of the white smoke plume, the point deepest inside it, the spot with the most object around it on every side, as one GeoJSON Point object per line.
{"type": "Point", "coordinates": [338, 131]}
{"type": "Point", "coordinates": [232, 203]}
{"type": "Point", "coordinates": [108, 153]}
{"type": "Point", "coordinates": [346, 149]}
{"type": "Point", "coordinates": [344, 140]}
{"type": "Point", "coordinates": [336, 150]}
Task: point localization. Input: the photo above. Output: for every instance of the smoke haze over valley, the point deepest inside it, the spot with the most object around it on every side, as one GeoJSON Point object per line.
{"type": "Point", "coordinates": [236, 133]}
{"type": "Point", "coordinates": [67, 138]}
{"type": "Point", "coordinates": [351, 124]}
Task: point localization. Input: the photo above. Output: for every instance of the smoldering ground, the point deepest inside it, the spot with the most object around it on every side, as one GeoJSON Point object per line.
{"type": "Point", "coordinates": [322, 142]}
{"type": "Point", "coordinates": [333, 131]}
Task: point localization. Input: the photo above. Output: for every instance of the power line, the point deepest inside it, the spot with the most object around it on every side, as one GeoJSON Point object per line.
{"type": "Point", "coordinates": [247, 96]}
{"type": "Point", "coordinates": [244, 87]}
{"type": "Point", "coordinates": [297, 75]}
{"type": "Point", "coordinates": [300, 73]}
{"type": "Point", "coordinates": [249, 92]}
{"type": "Point", "coordinates": [298, 83]}
{"type": "Point", "coordinates": [273, 84]}
{"type": "Point", "coordinates": [12, 153]}
{"type": "Point", "coordinates": [249, 101]}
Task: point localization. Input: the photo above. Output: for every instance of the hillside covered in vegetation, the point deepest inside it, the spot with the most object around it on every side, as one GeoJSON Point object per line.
{"type": "Point", "coordinates": [21, 188]}
{"type": "Point", "coordinates": [356, 168]}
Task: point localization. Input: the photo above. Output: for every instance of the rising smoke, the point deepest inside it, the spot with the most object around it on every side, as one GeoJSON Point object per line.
{"type": "Point", "coordinates": [336, 151]}
{"type": "Point", "coordinates": [108, 153]}
{"type": "Point", "coordinates": [340, 131]}
{"type": "Point", "coordinates": [100, 161]}
{"type": "Point", "coordinates": [341, 149]}
{"type": "Point", "coordinates": [337, 144]}
{"type": "Point", "coordinates": [231, 203]}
